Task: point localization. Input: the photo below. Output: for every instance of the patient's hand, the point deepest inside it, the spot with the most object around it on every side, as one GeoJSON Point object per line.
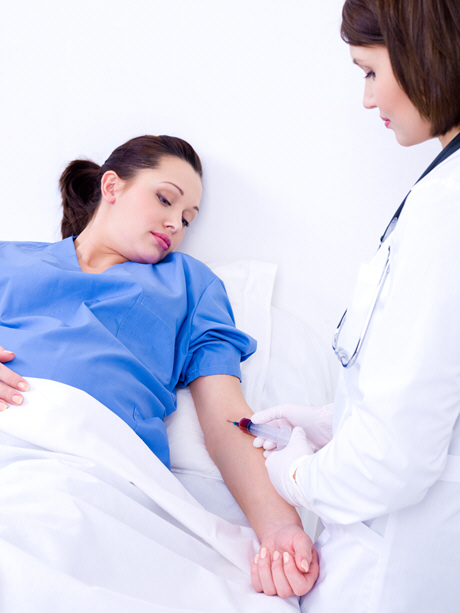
{"type": "Point", "coordinates": [10, 382]}
{"type": "Point", "coordinates": [287, 563]}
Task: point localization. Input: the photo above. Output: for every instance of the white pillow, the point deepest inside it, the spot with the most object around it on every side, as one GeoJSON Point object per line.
{"type": "Point", "coordinates": [249, 286]}
{"type": "Point", "coordinates": [301, 369]}
{"type": "Point", "coordinates": [187, 448]}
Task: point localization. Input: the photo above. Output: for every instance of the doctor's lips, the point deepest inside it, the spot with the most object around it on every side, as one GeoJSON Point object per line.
{"type": "Point", "coordinates": [162, 240]}
{"type": "Point", "coordinates": [387, 121]}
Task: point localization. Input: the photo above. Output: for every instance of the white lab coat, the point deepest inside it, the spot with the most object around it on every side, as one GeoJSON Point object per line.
{"type": "Point", "coordinates": [387, 487]}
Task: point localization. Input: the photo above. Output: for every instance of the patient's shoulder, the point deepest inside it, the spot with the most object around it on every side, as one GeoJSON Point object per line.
{"type": "Point", "coordinates": [193, 269]}
{"type": "Point", "coordinates": [16, 248]}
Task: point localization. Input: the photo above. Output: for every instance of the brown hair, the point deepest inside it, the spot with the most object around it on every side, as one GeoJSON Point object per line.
{"type": "Point", "coordinates": [80, 183]}
{"type": "Point", "coordinates": [423, 42]}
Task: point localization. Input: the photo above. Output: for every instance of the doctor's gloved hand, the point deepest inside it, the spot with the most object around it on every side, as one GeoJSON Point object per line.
{"type": "Point", "coordinates": [10, 382]}
{"type": "Point", "coordinates": [315, 421]}
{"type": "Point", "coordinates": [282, 465]}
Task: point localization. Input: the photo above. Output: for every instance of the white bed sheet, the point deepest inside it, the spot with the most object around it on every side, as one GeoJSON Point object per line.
{"type": "Point", "coordinates": [91, 520]}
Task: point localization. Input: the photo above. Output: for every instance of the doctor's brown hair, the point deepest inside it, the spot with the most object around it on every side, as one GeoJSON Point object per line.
{"type": "Point", "coordinates": [80, 183]}
{"type": "Point", "coordinates": [423, 42]}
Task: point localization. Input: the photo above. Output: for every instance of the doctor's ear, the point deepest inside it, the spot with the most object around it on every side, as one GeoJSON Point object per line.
{"type": "Point", "coordinates": [110, 185]}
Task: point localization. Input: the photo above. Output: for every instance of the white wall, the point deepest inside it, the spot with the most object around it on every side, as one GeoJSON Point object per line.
{"type": "Point", "coordinates": [296, 171]}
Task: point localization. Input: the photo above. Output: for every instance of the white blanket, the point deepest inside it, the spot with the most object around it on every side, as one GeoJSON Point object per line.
{"type": "Point", "coordinates": [91, 521]}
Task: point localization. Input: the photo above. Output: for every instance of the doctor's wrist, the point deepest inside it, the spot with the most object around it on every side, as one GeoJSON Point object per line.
{"type": "Point", "coordinates": [300, 500]}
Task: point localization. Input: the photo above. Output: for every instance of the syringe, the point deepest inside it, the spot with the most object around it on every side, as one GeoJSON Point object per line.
{"type": "Point", "coordinates": [280, 436]}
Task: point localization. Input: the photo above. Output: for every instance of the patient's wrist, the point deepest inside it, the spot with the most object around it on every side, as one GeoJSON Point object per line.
{"type": "Point", "coordinates": [289, 518]}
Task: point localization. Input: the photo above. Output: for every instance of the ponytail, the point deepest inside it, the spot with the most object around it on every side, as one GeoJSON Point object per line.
{"type": "Point", "coordinates": [80, 185]}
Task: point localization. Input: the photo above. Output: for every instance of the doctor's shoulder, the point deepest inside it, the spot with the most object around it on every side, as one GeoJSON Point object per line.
{"type": "Point", "coordinates": [442, 183]}
{"type": "Point", "coordinates": [433, 204]}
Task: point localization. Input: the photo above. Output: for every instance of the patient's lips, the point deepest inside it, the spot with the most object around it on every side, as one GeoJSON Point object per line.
{"type": "Point", "coordinates": [162, 240]}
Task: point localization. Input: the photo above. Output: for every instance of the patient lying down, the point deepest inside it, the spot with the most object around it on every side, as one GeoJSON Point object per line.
{"type": "Point", "coordinates": [104, 325]}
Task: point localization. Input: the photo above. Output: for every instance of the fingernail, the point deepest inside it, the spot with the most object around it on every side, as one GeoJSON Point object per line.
{"type": "Point", "coordinates": [305, 565]}
{"type": "Point", "coordinates": [256, 559]}
{"type": "Point", "coordinates": [23, 386]}
{"type": "Point", "coordinates": [276, 555]}
{"type": "Point", "coordinates": [286, 557]}
{"type": "Point", "coordinates": [263, 553]}
{"type": "Point", "coordinates": [3, 405]}
{"type": "Point", "coordinates": [17, 399]}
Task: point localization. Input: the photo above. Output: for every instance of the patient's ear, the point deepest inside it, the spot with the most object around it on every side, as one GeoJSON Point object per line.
{"type": "Point", "coordinates": [109, 186]}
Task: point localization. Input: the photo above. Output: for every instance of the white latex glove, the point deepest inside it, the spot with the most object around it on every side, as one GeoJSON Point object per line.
{"type": "Point", "coordinates": [315, 421]}
{"type": "Point", "coordinates": [282, 465]}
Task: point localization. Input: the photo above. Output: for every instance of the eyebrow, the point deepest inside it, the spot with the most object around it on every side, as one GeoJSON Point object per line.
{"type": "Point", "coordinates": [181, 191]}
{"type": "Point", "coordinates": [358, 62]}
{"type": "Point", "coordinates": [176, 186]}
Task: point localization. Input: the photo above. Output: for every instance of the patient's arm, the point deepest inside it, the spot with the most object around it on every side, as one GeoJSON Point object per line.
{"type": "Point", "coordinates": [277, 524]}
{"type": "Point", "coordinates": [10, 382]}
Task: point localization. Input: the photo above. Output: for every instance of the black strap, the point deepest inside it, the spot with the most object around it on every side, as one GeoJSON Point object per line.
{"type": "Point", "coordinates": [448, 150]}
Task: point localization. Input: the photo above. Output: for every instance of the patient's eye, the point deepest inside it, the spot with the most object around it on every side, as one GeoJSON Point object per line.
{"type": "Point", "coordinates": [185, 223]}
{"type": "Point", "coordinates": [163, 200]}
{"type": "Point", "coordinates": [370, 74]}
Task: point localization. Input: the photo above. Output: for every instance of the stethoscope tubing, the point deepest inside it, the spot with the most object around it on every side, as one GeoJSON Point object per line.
{"type": "Point", "coordinates": [341, 354]}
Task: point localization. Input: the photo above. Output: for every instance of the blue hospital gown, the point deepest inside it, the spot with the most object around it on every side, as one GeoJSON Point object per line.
{"type": "Point", "coordinates": [127, 336]}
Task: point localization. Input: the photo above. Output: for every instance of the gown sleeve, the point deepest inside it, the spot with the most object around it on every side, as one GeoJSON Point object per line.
{"type": "Point", "coordinates": [404, 396]}
{"type": "Point", "coordinates": [216, 346]}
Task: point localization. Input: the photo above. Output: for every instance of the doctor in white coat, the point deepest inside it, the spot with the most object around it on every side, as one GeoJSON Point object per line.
{"type": "Point", "coordinates": [387, 486]}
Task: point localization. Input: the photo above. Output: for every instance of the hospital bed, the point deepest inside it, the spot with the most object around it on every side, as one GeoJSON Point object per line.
{"type": "Point", "coordinates": [91, 520]}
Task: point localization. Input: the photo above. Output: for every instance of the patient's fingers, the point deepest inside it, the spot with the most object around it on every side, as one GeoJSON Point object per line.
{"type": "Point", "coordinates": [6, 356]}
{"type": "Point", "coordinates": [279, 575]}
{"type": "Point", "coordinates": [299, 580]}
{"type": "Point", "coordinates": [10, 382]}
{"type": "Point", "coordinates": [313, 571]}
{"type": "Point", "coordinates": [10, 396]}
{"type": "Point", "coordinates": [256, 582]}
{"type": "Point", "coordinates": [282, 584]}
{"type": "Point", "coordinates": [264, 568]}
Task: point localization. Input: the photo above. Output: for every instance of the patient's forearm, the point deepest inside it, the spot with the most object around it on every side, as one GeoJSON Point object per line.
{"type": "Point", "coordinates": [218, 398]}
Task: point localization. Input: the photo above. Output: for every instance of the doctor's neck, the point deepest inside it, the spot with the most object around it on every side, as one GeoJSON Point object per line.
{"type": "Point", "coordinates": [446, 138]}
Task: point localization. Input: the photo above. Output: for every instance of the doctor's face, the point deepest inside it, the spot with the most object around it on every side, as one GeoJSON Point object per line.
{"type": "Point", "coordinates": [383, 92]}
{"type": "Point", "coordinates": [150, 213]}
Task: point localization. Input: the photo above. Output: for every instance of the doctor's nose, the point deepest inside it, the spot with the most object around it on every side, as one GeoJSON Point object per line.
{"type": "Point", "coordinates": [368, 99]}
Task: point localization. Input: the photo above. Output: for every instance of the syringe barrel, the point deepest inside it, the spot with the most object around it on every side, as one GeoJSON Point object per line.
{"type": "Point", "coordinates": [280, 436]}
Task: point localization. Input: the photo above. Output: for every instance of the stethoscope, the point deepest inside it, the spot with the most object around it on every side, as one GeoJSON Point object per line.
{"type": "Point", "coordinates": [343, 356]}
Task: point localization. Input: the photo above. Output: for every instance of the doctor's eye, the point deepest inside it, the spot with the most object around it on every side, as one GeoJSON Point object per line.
{"type": "Point", "coordinates": [370, 74]}
{"type": "Point", "coordinates": [163, 200]}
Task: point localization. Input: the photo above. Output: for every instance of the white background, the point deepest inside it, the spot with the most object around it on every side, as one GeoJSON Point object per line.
{"type": "Point", "coordinates": [296, 171]}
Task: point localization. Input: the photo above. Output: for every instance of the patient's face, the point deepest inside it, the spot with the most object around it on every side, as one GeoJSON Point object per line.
{"type": "Point", "coordinates": [151, 213]}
